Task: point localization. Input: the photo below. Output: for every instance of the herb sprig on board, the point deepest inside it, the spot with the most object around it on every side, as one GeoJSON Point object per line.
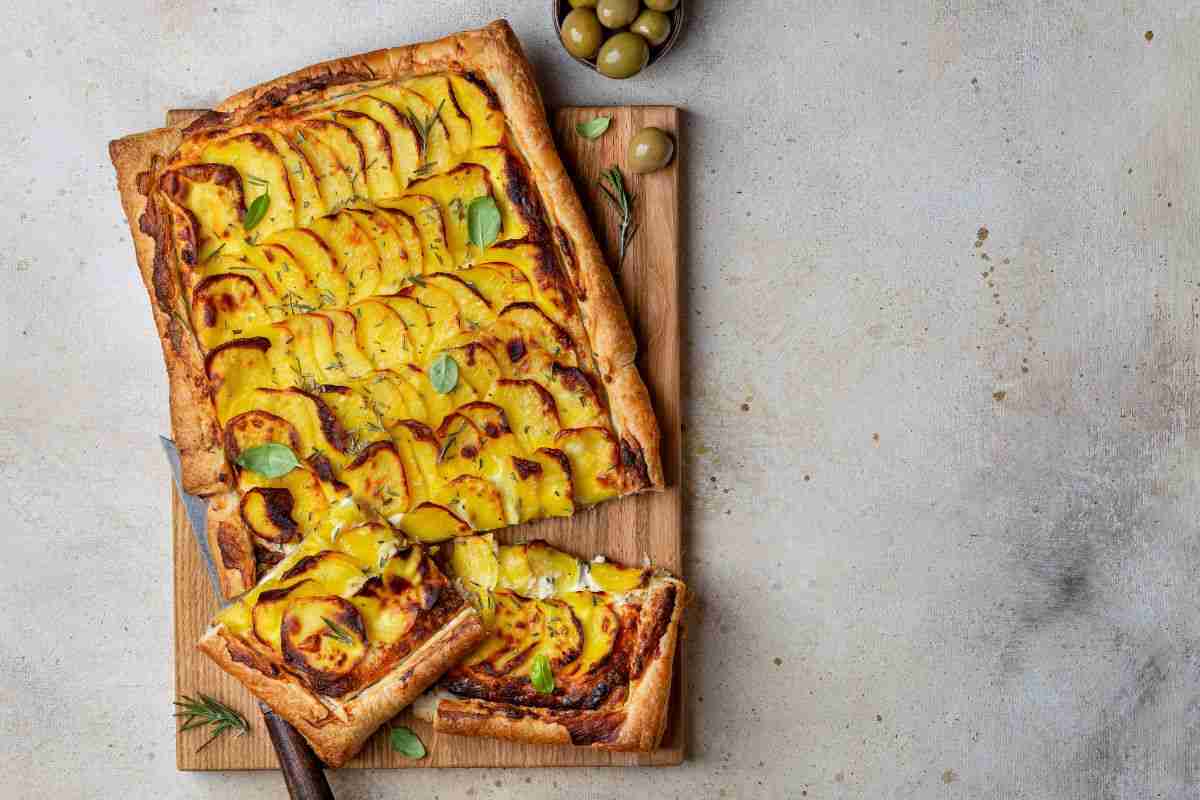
{"type": "Point", "coordinates": [198, 712]}
{"type": "Point", "coordinates": [623, 200]}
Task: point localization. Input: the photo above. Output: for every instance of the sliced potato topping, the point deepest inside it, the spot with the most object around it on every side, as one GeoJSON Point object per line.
{"type": "Point", "coordinates": [537, 601]}
{"type": "Point", "coordinates": [327, 320]}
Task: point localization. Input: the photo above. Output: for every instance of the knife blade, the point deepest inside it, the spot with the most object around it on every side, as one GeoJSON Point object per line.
{"type": "Point", "coordinates": [303, 772]}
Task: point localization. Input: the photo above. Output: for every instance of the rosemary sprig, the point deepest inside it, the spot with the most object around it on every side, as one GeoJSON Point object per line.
{"type": "Point", "coordinates": [337, 631]}
{"type": "Point", "coordinates": [446, 445]}
{"type": "Point", "coordinates": [424, 129]}
{"type": "Point", "coordinates": [623, 200]}
{"type": "Point", "coordinates": [198, 712]}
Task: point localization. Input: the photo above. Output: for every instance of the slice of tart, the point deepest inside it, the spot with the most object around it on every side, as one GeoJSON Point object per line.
{"type": "Point", "coordinates": [380, 263]}
{"type": "Point", "coordinates": [575, 653]}
{"type": "Point", "coordinates": [344, 631]}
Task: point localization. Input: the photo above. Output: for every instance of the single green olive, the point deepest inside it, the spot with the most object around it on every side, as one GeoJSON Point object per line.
{"type": "Point", "coordinates": [617, 13]}
{"type": "Point", "coordinates": [583, 3]}
{"type": "Point", "coordinates": [653, 26]}
{"type": "Point", "coordinates": [661, 5]}
{"type": "Point", "coordinates": [623, 55]}
{"type": "Point", "coordinates": [649, 150]}
{"type": "Point", "coordinates": [581, 33]}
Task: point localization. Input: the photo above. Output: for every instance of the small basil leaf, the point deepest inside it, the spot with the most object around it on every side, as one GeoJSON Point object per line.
{"type": "Point", "coordinates": [483, 222]}
{"type": "Point", "coordinates": [443, 374]}
{"type": "Point", "coordinates": [269, 460]}
{"type": "Point", "coordinates": [406, 743]}
{"type": "Point", "coordinates": [256, 212]}
{"type": "Point", "coordinates": [593, 128]}
{"type": "Point", "coordinates": [541, 676]}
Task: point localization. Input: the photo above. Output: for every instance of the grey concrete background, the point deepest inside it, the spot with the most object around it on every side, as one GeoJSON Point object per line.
{"type": "Point", "coordinates": [943, 488]}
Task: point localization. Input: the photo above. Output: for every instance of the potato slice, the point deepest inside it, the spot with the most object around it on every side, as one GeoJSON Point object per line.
{"type": "Point", "coordinates": [393, 255]}
{"type": "Point", "coordinates": [430, 522]}
{"type": "Point", "coordinates": [262, 171]}
{"type": "Point", "coordinates": [530, 410]}
{"type": "Point", "coordinates": [436, 89]}
{"type": "Point", "coordinates": [376, 477]}
{"type": "Point", "coordinates": [354, 254]}
{"type": "Point", "coordinates": [224, 307]}
{"type": "Point", "coordinates": [235, 368]}
{"type": "Point", "coordinates": [600, 626]}
{"type": "Point", "coordinates": [402, 136]}
{"type": "Point", "coordinates": [614, 578]}
{"type": "Point", "coordinates": [272, 604]}
{"type": "Point", "coordinates": [557, 487]}
{"type": "Point", "coordinates": [595, 461]}
{"type": "Point", "coordinates": [479, 105]}
{"type": "Point", "coordinates": [473, 558]}
{"type": "Point", "coordinates": [324, 639]}
{"type": "Point", "coordinates": [268, 512]}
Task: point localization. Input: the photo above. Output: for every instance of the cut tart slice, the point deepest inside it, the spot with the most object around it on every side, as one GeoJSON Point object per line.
{"type": "Point", "coordinates": [345, 631]}
{"type": "Point", "coordinates": [576, 652]}
{"type": "Point", "coordinates": [380, 263]}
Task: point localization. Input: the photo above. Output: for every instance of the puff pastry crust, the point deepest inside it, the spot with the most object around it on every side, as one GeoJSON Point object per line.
{"type": "Point", "coordinates": [564, 251]}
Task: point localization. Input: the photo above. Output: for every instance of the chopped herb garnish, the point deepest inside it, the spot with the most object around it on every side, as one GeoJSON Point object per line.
{"type": "Point", "coordinates": [337, 631]}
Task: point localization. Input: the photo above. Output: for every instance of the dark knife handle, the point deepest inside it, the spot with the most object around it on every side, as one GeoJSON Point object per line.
{"type": "Point", "coordinates": [303, 772]}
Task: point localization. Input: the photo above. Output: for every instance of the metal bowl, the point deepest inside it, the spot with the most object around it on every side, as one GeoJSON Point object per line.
{"type": "Point", "coordinates": [560, 9]}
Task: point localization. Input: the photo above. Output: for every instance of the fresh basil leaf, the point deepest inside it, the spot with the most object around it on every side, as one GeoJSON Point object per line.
{"type": "Point", "coordinates": [541, 675]}
{"type": "Point", "coordinates": [593, 128]}
{"type": "Point", "coordinates": [443, 374]}
{"type": "Point", "coordinates": [270, 460]}
{"type": "Point", "coordinates": [406, 743]}
{"type": "Point", "coordinates": [483, 222]}
{"type": "Point", "coordinates": [256, 212]}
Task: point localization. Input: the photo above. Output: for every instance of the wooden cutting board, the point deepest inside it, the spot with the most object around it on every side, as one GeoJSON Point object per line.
{"type": "Point", "coordinates": [629, 530]}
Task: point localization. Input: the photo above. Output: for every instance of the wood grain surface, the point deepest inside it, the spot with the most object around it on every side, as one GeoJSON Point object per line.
{"type": "Point", "coordinates": [648, 526]}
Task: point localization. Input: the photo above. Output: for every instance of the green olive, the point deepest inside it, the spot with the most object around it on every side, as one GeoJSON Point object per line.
{"type": "Point", "coordinates": [617, 13]}
{"type": "Point", "coordinates": [623, 56]}
{"type": "Point", "coordinates": [581, 33]}
{"type": "Point", "coordinates": [660, 5]}
{"type": "Point", "coordinates": [651, 149]}
{"type": "Point", "coordinates": [583, 3]}
{"type": "Point", "coordinates": [653, 26]}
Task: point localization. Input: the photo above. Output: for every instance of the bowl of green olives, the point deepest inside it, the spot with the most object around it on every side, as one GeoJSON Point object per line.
{"type": "Point", "coordinates": [618, 38]}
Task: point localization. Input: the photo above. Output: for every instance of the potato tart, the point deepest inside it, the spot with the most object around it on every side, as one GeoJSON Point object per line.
{"type": "Point", "coordinates": [380, 263]}
{"type": "Point", "coordinates": [575, 653]}
{"type": "Point", "coordinates": [379, 266]}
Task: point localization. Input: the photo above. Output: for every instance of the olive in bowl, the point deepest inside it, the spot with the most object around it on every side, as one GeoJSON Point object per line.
{"type": "Point", "coordinates": [660, 5]}
{"type": "Point", "coordinates": [623, 56]}
{"type": "Point", "coordinates": [653, 26]}
{"type": "Point", "coordinates": [615, 51]}
{"type": "Point", "coordinates": [617, 13]}
{"type": "Point", "coordinates": [581, 33]}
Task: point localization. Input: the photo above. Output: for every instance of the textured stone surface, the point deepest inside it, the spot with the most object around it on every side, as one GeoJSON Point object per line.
{"type": "Point", "coordinates": [943, 486]}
